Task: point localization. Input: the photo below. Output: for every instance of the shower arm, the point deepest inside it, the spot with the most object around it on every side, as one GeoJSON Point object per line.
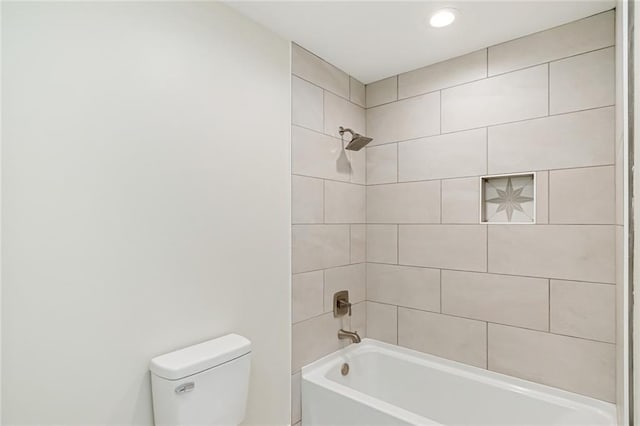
{"type": "Point", "coordinates": [341, 130]}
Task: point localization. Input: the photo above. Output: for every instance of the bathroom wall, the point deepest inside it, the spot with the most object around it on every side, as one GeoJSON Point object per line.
{"type": "Point", "coordinates": [533, 301]}
{"type": "Point", "coordinates": [328, 210]}
{"type": "Point", "coordinates": [146, 198]}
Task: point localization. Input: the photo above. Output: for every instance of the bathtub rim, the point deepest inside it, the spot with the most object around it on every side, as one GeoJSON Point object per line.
{"type": "Point", "coordinates": [316, 373]}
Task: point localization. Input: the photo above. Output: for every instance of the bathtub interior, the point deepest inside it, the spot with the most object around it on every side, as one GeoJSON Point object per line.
{"type": "Point", "coordinates": [414, 385]}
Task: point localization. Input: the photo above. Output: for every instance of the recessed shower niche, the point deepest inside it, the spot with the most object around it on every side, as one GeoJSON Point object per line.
{"type": "Point", "coordinates": [508, 198]}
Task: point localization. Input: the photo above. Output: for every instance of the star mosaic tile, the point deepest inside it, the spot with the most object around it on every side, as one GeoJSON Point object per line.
{"type": "Point", "coordinates": [508, 199]}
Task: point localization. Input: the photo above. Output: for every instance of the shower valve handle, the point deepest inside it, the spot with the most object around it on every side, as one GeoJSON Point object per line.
{"type": "Point", "coordinates": [343, 303]}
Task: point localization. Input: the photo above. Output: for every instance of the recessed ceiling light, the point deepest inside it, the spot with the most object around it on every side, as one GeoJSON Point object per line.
{"type": "Point", "coordinates": [442, 18]}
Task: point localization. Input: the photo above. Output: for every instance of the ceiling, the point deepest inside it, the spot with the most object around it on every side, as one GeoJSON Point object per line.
{"type": "Point", "coordinates": [373, 40]}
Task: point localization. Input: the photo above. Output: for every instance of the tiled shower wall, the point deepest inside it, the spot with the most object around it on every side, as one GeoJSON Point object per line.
{"type": "Point", "coordinates": [328, 210]}
{"type": "Point", "coordinates": [532, 301]}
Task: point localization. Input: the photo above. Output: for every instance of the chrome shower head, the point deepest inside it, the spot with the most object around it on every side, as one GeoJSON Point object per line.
{"type": "Point", "coordinates": [357, 141]}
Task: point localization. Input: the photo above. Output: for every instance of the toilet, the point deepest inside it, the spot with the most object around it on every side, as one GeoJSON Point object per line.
{"type": "Point", "coordinates": [204, 384]}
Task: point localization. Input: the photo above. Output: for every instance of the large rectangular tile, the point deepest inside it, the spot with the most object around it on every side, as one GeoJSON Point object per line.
{"type": "Point", "coordinates": [382, 91]}
{"type": "Point", "coordinates": [581, 36]}
{"type": "Point", "coordinates": [578, 139]}
{"type": "Point", "coordinates": [462, 69]}
{"type": "Point", "coordinates": [444, 246]}
{"type": "Point", "coordinates": [407, 119]}
{"type": "Point", "coordinates": [307, 295]}
{"type": "Point", "coordinates": [413, 202]}
{"type": "Point", "coordinates": [382, 322]}
{"type": "Point", "coordinates": [576, 365]}
{"type": "Point", "coordinates": [515, 96]}
{"type": "Point", "coordinates": [344, 202]}
{"type": "Point", "coordinates": [357, 166]}
{"type": "Point", "coordinates": [458, 339]}
{"type": "Point", "coordinates": [307, 200]}
{"type": "Point", "coordinates": [310, 67]}
{"type": "Point", "coordinates": [406, 286]}
{"type": "Point", "coordinates": [307, 109]}
{"type": "Point", "coordinates": [573, 252]}
{"type": "Point", "coordinates": [582, 196]}
{"type": "Point", "coordinates": [351, 278]}
{"type": "Point", "coordinates": [358, 243]}
{"type": "Point", "coordinates": [319, 247]}
{"type": "Point", "coordinates": [542, 197]}
{"type": "Point", "coordinates": [317, 155]}
{"type": "Point", "coordinates": [312, 339]}
{"type": "Point", "coordinates": [382, 164]}
{"type": "Point", "coordinates": [318, 336]}
{"type": "Point", "coordinates": [382, 243]}
{"type": "Point", "coordinates": [454, 155]}
{"type": "Point", "coordinates": [357, 92]}
{"type": "Point", "coordinates": [503, 299]}
{"type": "Point", "coordinates": [581, 82]}
{"type": "Point", "coordinates": [340, 112]}
{"type": "Point", "coordinates": [461, 200]}
{"type": "Point", "coordinates": [296, 400]}
{"type": "Point", "coordinates": [584, 310]}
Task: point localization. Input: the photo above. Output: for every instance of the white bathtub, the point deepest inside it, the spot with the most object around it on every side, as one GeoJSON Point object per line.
{"type": "Point", "coordinates": [390, 385]}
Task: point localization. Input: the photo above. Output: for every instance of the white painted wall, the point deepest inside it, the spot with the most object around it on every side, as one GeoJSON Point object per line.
{"type": "Point", "coordinates": [145, 172]}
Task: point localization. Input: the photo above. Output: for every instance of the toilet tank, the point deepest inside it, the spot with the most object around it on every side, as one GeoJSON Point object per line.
{"type": "Point", "coordinates": [204, 384]}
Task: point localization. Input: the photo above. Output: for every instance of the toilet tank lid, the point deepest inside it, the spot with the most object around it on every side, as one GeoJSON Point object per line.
{"type": "Point", "coordinates": [194, 359]}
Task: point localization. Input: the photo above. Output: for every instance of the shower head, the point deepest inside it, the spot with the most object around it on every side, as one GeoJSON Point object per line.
{"type": "Point", "coordinates": [357, 141]}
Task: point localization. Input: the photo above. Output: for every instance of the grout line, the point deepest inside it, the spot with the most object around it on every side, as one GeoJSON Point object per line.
{"type": "Point", "coordinates": [397, 244]}
{"type": "Point", "coordinates": [486, 135]}
{"type": "Point", "coordinates": [326, 179]}
{"type": "Point", "coordinates": [350, 248]}
{"type": "Point", "coordinates": [441, 201]}
{"type": "Point", "coordinates": [440, 277]}
{"type": "Point", "coordinates": [477, 176]}
{"type": "Point", "coordinates": [548, 61]}
{"type": "Point", "coordinates": [324, 287]}
{"type": "Point", "coordinates": [474, 80]}
{"type": "Point", "coordinates": [324, 201]}
{"type": "Point", "coordinates": [350, 94]}
{"type": "Point", "coordinates": [533, 118]}
{"type": "Point", "coordinates": [397, 163]}
{"type": "Point", "coordinates": [549, 306]}
{"type": "Point", "coordinates": [330, 312]}
{"type": "Point", "coordinates": [488, 273]}
{"type": "Point", "coordinates": [447, 314]}
{"type": "Point", "coordinates": [335, 267]}
{"type": "Point", "coordinates": [557, 26]}
{"type": "Point", "coordinates": [324, 112]}
{"type": "Point", "coordinates": [486, 70]}
{"type": "Point", "coordinates": [397, 87]}
{"type": "Point", "coordinates": [486, 233]}
{"type": "Point", "coordinates": [487, 344]}
{"type": "Point", "coordinates": [440, 112]}
{"type": "Point", "coordinates": [548, 89]}
{"type": "Point", "coordinates": [549, 195]}
{"type": "Point", "coordinates": [582, 53]}
{"type": "Point", "coordinates": [397, 325]}
{"type": "Point", "coordinates": [324, 88]}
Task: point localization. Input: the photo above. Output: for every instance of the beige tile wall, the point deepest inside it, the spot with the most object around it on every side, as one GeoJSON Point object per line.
{"type": "Point", "coordinates": [328, 210]}
{"type": "Point", "coordinates": [533, 301]}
